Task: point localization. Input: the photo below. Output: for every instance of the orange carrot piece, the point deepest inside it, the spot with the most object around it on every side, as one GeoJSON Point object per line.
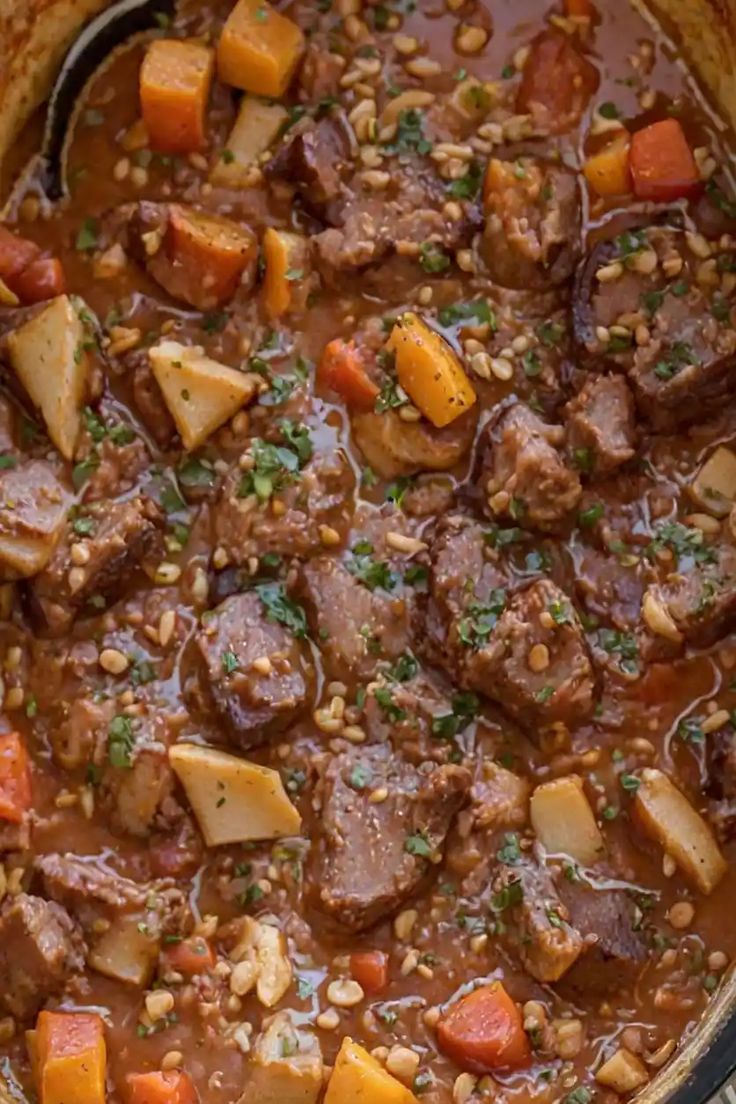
{"type": "Point", "coordinates": [15, 778]}
{"type": "Point", "coordinates": [662, 164]}
{"type": "Point", "coordinates": [484, 1031]}
{"type": "Point", "coordinates": [175, 82]}
{"type": "Point", "coordinates": [582, 9]}
{"type": "Point", "coordinates": [608, 171]}
{"type": "Point", "coordinates": [214, 250]}
{"type": "Point", "coordinates": [172, 1087]}
{"type": "Point", "coordinates": [259, 49]}
{"type": "Point", "coordinates": [341, 370]}
{"type": "Point", "coordinates": [192, 956]}
{"type": "Point", "coordinates": [71, 1058]}
{"type": "Point", "coordinates": [370, 970]}
{"type": "Point", "coordinates": [16, 253]}
{"type": "Point", "coordinates": [43, 279]}
{"type": "Point", "coordinates": [286, 258]}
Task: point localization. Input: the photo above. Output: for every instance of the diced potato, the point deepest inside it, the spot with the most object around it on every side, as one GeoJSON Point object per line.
{"type": "Point", "coordinates": [176, 77]}
{"type": "Point", "coordinates": [8, 298]}
{"type": "Point", "coordinates": [564, 822]}
{"type": "Point", "coordinates": [259, 49]}
{"type": "Point", "coordinates": [623, 1072]}
{"type": "Point", "coordinates": [668, 817]}
{"type": "Point", "coordinates": [200, 393]}
{"type": "Point", "coordinates": [255, 129]}
{"type": "Point", "coordinates": [287, 260]}
{"type": "Point", "coordinates": [714, 487]}
{"type": "Point", "coordinates": [71, 1058]}
{"type": "Point", "coordinates": [357, 1077]}
{"type": "Point", "coordinates": [274, 966]}
{"type": "Point", "coordinates": [33, 506]}
{"type": "Point", "coordinates": [50, 358]}
{"type": "Point", "coordinates": [286, 1065]}
{"type": "Point", "coordinates": [233, 799]}
{"type": "Point", "coordinates": [125, 953]}
{"type": "Point", "coordinates": [429, 371]}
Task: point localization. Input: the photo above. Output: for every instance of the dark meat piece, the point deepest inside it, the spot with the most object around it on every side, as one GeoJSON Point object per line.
{"type": "Point", "coordinates": [700, 604]}
{"type": "Point", "coordinates": [33, 505]}
{"type": "Point", "coordinates": [151, 406]}
{"type": "Point", "coordinates": [322, 496]}
{"type": "Point", "coordinates": [123, 536]}
{"type": "Point", "coordinates": [721, 750]}
{"type": "Point", "coordinates": [535, 922]}
{"type": "Point", "coordinates": [651, 278]}
{"type": "Point", "coordinates": [315, 158]}
{"type": "Point", "coordinates": [77, 884]}
{"type": "Point", "coordinates": [601, 431]}
{"type": "Point", "coordinates": [556, 84]}
{"type": "Point", "coordinates": [532, 231]}
{"type": "Point", "coordinates": [133, 795]}
{"type": "Point", "coordinates": [320, 72]}
{"type": "Point", "coordinates": [414, 714]}
{"type": "Point", "coordinates": [523, 474]}
{"type": "Point", "coordinates": [499, 804]}
{"type": "Point", "coordinates": [607, 589]}
{"type": "Point", "coordinates": [253, 703]}
{"type": "Point", "coordinates": [615, 951]}
{"type": "Point", "coordinates": [394, 447]}
{"type": "Point", "coordinates": [358, 627]}
{"type": "Point", "coordinates": [40, 947]}
{"type": "Point", "coordinates": [372, 857]}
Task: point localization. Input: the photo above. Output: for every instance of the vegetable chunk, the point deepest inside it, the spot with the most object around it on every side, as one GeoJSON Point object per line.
{"type": "Point", "coordinates": [429, 371]}
{"type": "Point", "coordinates": [175, 85]}
{"type": "Point", "coordinates": [200, 393]}
{"type": "Point", "coordinates": [255, 129]}
{"type": "Point", "coordinates": [662, 165]}
{"type": "Point", "coordinates": [563, 820]}
{"type": "Point", "coordinates": [287, 259]}
{"type": "Point", "coordinates": [608, 172]}
{"type": "Point", "coordinates": [15, 778]}
{"type": "Point", "coordinates": [125, 952]}
{"type": "Point", "coordinates": [341, 369]}
{"type": "Point", "coordinates": [50, 358]}
{"type": "Point", "coordinates": [286, 1066]}
{"type": "Point", "coordinates": [214, 250]}
{"type": "Point", "coordinates": [259, 49]}
{"type": "Point", "coordinates": [233, 799]}
{"type": "Point", "coordinates": [357, 1077]}
{"type": "Point", "coordinates": [172, 1087]}
{"type": "Point", "coordinates": [72, 1058]}
{"type": "Point", "coordinates": [714, 486]}
{"type": "Point", "coordinates": [484, 1031]}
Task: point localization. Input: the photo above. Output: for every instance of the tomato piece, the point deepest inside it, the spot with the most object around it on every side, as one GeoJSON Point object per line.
{"type": "Point", "coordinates": [662, 164]}
{"type": "Point", "coordinates": [341, 369]}
{"type": "Point", "coordinates": [192, 956]}
{"type": "Point", "coordinates": [557, 82]}
{"type": "Point", "coordinates": [370, 970]}
{"type": "Point", "coordinates": [16, 253]}
{"type": "Point", "coordinates": [157, 1087]}
{"type": "Point", "coordinates": [15, 777]}
{"type": "Point", "coordinates": [484, 1031]}
{"type": "Point", "coordinates": [42, 279]}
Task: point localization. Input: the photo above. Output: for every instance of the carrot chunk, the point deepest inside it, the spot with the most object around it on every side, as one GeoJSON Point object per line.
{"type": "Point", "coordinates": [341, 369]}
{"type": "Point", "coordinates": [71, 1058]}
{"type": "Point", "coordinates": [213, 251]}
{"type": "Point", "coordinates": [43, 279]}
{"type": "Point", "coordinates": [581, 9]}
{"type": "Point", "coordinates": [608, 172]}
{"type": "Point", "coordinates": [172, 1087]}
{"type": "Point", "coordinates": [429, 371]}
{"type": "Point", "coordinates": [557, 82]}
{"type": "Point", "coordinates": [484, 1031]}
{"type": "Point", "coordinates": [259, 49]}
{"type": "Point", "coordinates": [16, 254]}
{"type": "Point", "coordinates": [287, 259]}
{"type": "Point", "coordinates": [370, 970]}
{"type": "Point", "coordinates": [15, 778]}
{"type": "Point", "coordinates": [174, 87]}
{"type": "Point", "coordinates": [662, 165]}
{"type": "Point", "coordinates": [192, 956]}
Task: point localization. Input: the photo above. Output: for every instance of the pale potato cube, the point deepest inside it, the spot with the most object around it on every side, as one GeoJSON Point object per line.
{"type": "Point", "coordinates": [233, 799]}
{"type": "Point", "coordinates": [49, 355]}
{"type": "Point", "coordinates": [714, 486]}
{"type": "Point", "coordinates": [274, 966]}
{"type": "Point", "coordinates": [125, 953]}
{"type": "Point", "coordinates": [667, 816]}
{"type": "Point", "coordinates": [201, 393]}
{"type": "Point", "coordinates": [623, 1072]}
{"type": "Point", "coordinates": [286, 1065]}
{"type": "Point", "coordinates": [564, 822]}
{"type": "Point", "coordinates": [254, 131]}
{"type": "Point", "coordinates": [33, 506]}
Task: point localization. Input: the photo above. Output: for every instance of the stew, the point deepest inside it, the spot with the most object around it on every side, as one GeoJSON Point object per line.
{"type": "Point", "coordinates": [368, 553]}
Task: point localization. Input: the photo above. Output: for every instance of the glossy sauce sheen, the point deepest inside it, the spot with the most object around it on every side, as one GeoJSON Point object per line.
{"type": "Point", "coordinates": [647, 715]}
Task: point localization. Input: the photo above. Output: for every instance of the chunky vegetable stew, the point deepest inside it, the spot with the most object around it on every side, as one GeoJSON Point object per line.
{"type": "Point", "coordinates": [368, 552]}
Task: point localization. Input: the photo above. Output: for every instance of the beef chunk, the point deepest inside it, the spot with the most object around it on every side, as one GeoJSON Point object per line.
{"type": "Point", "coordinates": [33, 505]}
{"type": "Point", "coordinates": [650, 278]}
{"type": "Point", "coordinates": [601, 431]}
{"type": "Point", "coordinates": [359, 627]}
{"type": "Point", "coordinates": [149, 400]}
{"type": "Point", "coordinates": [320, 72]}
{"type": "Point", "coordinates": [396, 448]}
{"type": "Point", "coordinates": [535, 922]}
{"type": "Point", "coordinates": [315, 158]}
{"type": "Point", "coordinates": [39, 948]}
{"type": "Point", "coordinates": [372, 857]}
{"type": "Point", "coordinates": [253, 701]}
{"type": "Point", "coordinates": [700, 603]}
{"type": "Point", "coordinates": [122, 535]}
{"type": "Point", "coordinates": [556, 84]}
{"type": "Point", "coordinates": [133, 795]}
{"type": "Point", "coordinates": [721, 750]}
{"type": "Point", "coordinates": [499, 805]}
{"type": "Point", "coordinates": [522, 471]}
{"type": "Point", "coordinates": [532, 231]}
{"type": "Point", "coordinates": [615, 952]}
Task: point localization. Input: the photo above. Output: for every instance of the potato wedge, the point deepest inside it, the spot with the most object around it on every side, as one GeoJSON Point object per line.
{"type": "Point", "coordinates": [33, 506]}
{"type": "Point", "coordinates": [667, 816]}
{"type": "Point", "coordinates": [623, 1072]}
{"type": "Point", "coordinates": [50, 358]}
{"type": "Point", "coordinates": [714, 486]}
{"type": "Point", "coordinates": [125, 953]}
{"type": "Point", "coordinates": [563, 820]}
{"type": "Point", "coordinates": [255, 129]}
{"type": "Point", "coordinates": [286, 1065]}
{"type": "Point", "coordinates": [357, 1076]}
{"type": "Point", "coordinates": [233, 799]}
{"type": "Point", "coordinates": [200, 393]}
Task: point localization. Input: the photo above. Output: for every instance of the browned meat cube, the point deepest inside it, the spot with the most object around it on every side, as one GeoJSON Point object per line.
{"type": "Point", "coordinates": [522, 472]}
{"type": "Point", "coordinates": [721, 751]}
{"type": "Point", "coordinates": [601, 431]}
{"type": "Point", "coordinates": [33, 505]}
{"type": "Point", "coordinates": [557, 83]}
{"type": "Point", "coordinates": [539, 929]}
{"type": "Point", "coordinates": [314, 159]}
{"type": "Point", "coordinates": [615, 952]}
{"type": "Point", "coordinates": [395, 448]}
{"type": "Point", "coordinates": [688, 366]}
{"type": "Point", "coordinates": [252, 670]}
{"type": "Point", "coordinates": [150, 402]}
{"type": "Point", "coordinates": [695, 607]}
{"type": "Point", "coordinates": [532, 231]}
{"type": "Point", "coordinates": [358, 627]}
{"type": "Point", "coordinates": [40, 947]}
{"type": "Point", "coordinates": [132, 795]}
{"type": "Point", "coordinates": [371, 857]}
{"type": "Point", "coordinates": [121, 536]}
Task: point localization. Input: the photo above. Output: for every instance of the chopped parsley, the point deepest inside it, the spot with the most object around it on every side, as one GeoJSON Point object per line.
{"type": "Point", "coordinates": [433, 258]}
{"type": "Point", "coordinates": [480, 619]}
{"type": "Point", "coordinates": [120, 741]}
{"type": "Point", "coordinates": [446, 726]}
{"type": "Point", "coordinates": [281, 609]}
